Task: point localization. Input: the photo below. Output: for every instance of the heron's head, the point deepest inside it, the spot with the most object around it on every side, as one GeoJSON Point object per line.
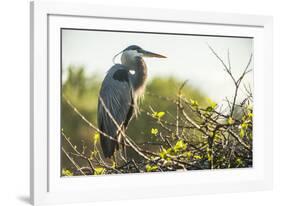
{"type": "Point", "coordinates": [130, 54]}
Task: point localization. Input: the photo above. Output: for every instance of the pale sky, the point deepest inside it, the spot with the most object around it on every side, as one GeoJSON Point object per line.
{"type": "Point", "coordinates": [188, 56]}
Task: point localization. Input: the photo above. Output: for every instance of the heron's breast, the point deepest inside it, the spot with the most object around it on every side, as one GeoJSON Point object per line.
{"type": "Point", "coordinates": [139, 92]}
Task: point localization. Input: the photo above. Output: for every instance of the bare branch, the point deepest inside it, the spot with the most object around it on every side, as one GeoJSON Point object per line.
{"type": "Point", "coordinates": [72, 161]}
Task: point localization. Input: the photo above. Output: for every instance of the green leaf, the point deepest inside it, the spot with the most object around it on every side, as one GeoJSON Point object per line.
{"type": "Point", "coordinates": [217, 136]}
{"type": "Point", "coordinates": [188, 154]}
{"type": "Point", "coordinates": [66, 172]}
{"type": "Point", "coordinates": [113, 164]}
{"type": "Point", "coordinates": [150, 168]}
{"type": "Point", "coordinates": [239, 162]}
{"type": "Point", "coordinates": [209, 109]}
{"type": "Point", "coordinates": [251, 136]}
{"type": "Point", "coordinates": [244, 125]}
{"type": "Point", "coordinates": [163, 154]}
{"type": "Point", "coordinates": [158, 115]}
{"type": "Point", "coordinates": [198, 157]}
{"type": "Point", "coordinates": [209, 154]}
{"type": "Point", "coordinates": [230, 121]}
{"type": "Point", "coordinates": [99, 170]}
{"type": "Point", "coordinates": [242, 133]}
{"type": "Point", "coordinates": [180, 145]}
{"type": "Point", "coordinates": [212, 103]}
{"type": "Point", "coordinates": [154, 131]}
{"type": "Point", "coordinates": [194, 103]}
{"type": "Point", "coordinates": [96, 137]}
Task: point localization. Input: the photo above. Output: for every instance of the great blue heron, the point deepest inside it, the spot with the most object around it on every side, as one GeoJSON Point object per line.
{"type": "Point", "coordinates": [120, 91]}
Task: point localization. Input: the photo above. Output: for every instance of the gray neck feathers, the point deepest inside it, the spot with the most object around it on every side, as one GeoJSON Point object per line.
{"type": "Point", "coordinates": [138, 81]}
{"type": "Point", "coordinates": [139, 78]}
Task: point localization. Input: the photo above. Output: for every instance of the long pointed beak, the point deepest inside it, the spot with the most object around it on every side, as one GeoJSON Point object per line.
{"type": "Point", "coordinates": [151, 54]}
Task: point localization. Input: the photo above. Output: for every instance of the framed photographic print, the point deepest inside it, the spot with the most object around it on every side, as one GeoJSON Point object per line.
{"type": "Point", "coordinates": [131, 106]}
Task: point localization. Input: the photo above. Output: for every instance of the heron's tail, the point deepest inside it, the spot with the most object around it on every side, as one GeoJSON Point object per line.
{"type": "Point", "coordinates": [108, 145]}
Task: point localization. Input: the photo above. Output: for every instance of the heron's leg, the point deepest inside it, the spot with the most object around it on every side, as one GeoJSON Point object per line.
{"type": "Point", "coordinates": [123, 151]}
{"type": "Point", "coordinates": [114, 159]}
{"type": "Point", "coordinates": [122, 156]}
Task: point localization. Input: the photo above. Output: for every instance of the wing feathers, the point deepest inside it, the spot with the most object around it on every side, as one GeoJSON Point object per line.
{"type": "Point", "coordinates": [116, 94]}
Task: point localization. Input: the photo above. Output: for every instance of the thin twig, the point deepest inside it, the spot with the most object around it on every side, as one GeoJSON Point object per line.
{"type": "Point", "coordinates": [72, 161]}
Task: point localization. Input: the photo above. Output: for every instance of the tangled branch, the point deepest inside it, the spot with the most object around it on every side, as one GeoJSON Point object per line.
{"type": "Point", "coordinates": [197, 137]}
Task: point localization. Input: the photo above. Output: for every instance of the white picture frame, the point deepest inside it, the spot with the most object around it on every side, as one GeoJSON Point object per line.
{"type": "Point", "coordinates": [47, 18]}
